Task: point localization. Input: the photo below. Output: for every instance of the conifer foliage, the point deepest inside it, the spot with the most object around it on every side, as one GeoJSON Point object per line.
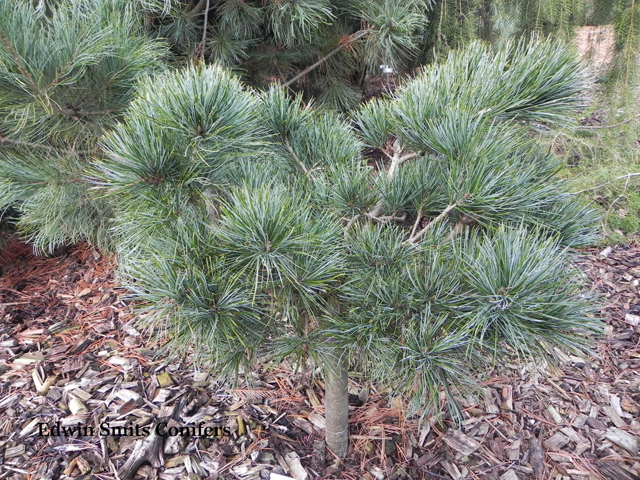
{"type": "Point", "coordinates": [252, 223]}
{"type": "Point", "coordinates": [67, 71]}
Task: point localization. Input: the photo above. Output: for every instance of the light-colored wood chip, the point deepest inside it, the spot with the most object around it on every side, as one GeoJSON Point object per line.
{"type": "Point", "coordinates": [489, 401]}
{"type": "Point", "coordinates": [509, 475]}
{"type": "Point", "coordinates": [314, 401]}
{"type": "Point", "coordinates": [77, 406]}
{"type": "Point", "coordinates": [573, 435]}
{"type": "Point", "coordinates": [556, 442]}
{"type": "Point", "coordinates": [614, 417]}
{"type": "Point", "coordinates": [29, 359]}
{"type": "Point", "coordinates": [161, 395]}
{"type": "Point", "coordinates": [126, 395]}
{"type": "Point", "coordinates": [460, 442]}
{"type": "Point", "coordinates": [295, 467]}
{"type": "Point", "coordinates": [15, 451]}
{"type": "Point", "coordinates": [318, 420]}
{"type": "Point", "coordinates": [29, 427]}
{"type": "Point", "coordinates": [555, 415]}
{"type": "Point", "coordinates": [623, 439]}
{"type": "Point", "coordinates": [84, 293]}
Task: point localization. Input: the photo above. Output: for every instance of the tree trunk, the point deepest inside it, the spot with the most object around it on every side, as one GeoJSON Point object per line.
{"type": "Point", "coordinates": [486, 30]}
{"type": "Point", "coordinates": [336, 403]}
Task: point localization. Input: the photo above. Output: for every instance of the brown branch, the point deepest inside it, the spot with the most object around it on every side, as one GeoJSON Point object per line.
{"type": "Point", "coordinates": [627, 176]}
{"type": "Point", "coordinates": [415, 225]}
{"type": "Point", "coordinates": [395, 162]}
{"type": "Point", "coordinates": [388, 218]}
{"type": "Point", "coordinates": [432, 223]}
{"type": "Point", "coordinates": [293, 154]}
{"type": "Point", "coordinates": [408, 157]}
{"type": "Point", "coordinates": [348, 42]}
{"type": "Point", "coordinates": [204, 30]}
{"type": "Point", "coordinates": [351, 221]}
{"type": "Point", "coordinates": [198, 8]}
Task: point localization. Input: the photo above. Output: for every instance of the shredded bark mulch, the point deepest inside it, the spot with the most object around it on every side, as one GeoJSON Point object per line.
{"type": "Point", "coordinates": [85, 394]}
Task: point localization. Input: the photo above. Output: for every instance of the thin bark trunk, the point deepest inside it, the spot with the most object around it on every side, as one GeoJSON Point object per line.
{"type": "Point", "coordinates": [336, 403]}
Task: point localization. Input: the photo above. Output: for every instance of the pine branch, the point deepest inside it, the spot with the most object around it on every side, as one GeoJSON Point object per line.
{"type": "Point", "coordinates": [204, 29]}
{"type": "Point", "coordinates": [22, 68]}
{"type": "Point", "coordinates": [295, 157]}
{"type": "Point", "coordinates": [388, 218]}
{"type": "Point", "coordinates": [346, 43]}
{"type": "Point", "coordinates": [397, 159]}
{"type": "Point", "coordinates": [195, 11]}
{"type": "Point", "coordinates": [432, 223]}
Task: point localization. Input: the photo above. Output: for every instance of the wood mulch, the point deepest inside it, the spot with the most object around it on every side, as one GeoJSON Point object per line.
{"type": "Point", "coordinates": [85, 394]}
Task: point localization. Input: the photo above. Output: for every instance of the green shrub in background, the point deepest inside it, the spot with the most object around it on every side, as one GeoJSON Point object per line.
{"type": "Point", "coordinates": [66, 76]}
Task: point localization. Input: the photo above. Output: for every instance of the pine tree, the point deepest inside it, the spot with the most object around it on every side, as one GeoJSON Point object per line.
{"type": "Point", "coordinates": [252, 223]}
{"type": "Point", "coordinates": [250, 219]}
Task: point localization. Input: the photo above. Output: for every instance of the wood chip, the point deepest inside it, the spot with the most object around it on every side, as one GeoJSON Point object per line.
{"type": "Point", "coordinates": [318, 420]}
{"type": "Point", "coordinates": [632, 319]}
{"type": "Point", "coordinates": [460, 442]}
{"type": "Point", "coordinates": [296, 468]}
{"type": "Point", "coordinates": [162, 395]}
{"type": "Point", "coordinates": [536, 457]}
{"type": "Point", "coordinates": [507, 397]}
{"type": "Point", "coordinates": [623, 439]}
{"type": "Point", "coordinates": [489, 401]}
{"type": "Point", "coordinates": [29, 359]}
{"type": "Point", "coordinates": [556, 442]}
{"type": "Point", "coordinates": [77, 407]}
{"type": "Point", "coordinates": [277, 476]}
{"type": "Point", "coordinates": [555, 415]}
{"type": "Point", "coordinates": [579, 421]}
{"type": "Point", "coordinates": [126, 395]}
{"type": "Point", "coordinates": [29, 427]}
{"type": "Point", "coordinates": [573, 435]}
{"type": "Point", "coordinates": [14, 451]}
{"type": "Point", "coordinates": [84, 293]}
{"type": "Point", "coordinates": [313, 398]}
{"type": "Point", "coordinates": [73, 364]}
{"type": "Point", "coordinates": [614, 417]}
{"type": "Point", "coordinates": [164, 380]}
{"type": "Point", "coordinates": [509, 475]}
{"type": "Point", "coordinates": [596, 424]}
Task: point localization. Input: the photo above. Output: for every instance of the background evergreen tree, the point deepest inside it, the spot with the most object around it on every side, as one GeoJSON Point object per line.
{"type": "Point", "coordinates": [276, 237]}
{"type": "Point", "coordinates": [66, 75]}
{"type": "Point", "coordinates": [336, 44]}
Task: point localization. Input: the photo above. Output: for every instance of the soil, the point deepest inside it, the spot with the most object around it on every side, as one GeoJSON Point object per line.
{"type": "Point", "coordinates": [72, 355]}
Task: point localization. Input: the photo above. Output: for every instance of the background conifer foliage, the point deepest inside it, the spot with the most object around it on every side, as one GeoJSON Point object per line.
{"type": "Point", "coordinates": [67, 72]}
{"type": "Point", "coordinates": [244, 211]}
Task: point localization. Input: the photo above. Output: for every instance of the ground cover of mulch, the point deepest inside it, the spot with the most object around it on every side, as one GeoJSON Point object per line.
{"type": "Point", "coordinates": [83, 393]}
